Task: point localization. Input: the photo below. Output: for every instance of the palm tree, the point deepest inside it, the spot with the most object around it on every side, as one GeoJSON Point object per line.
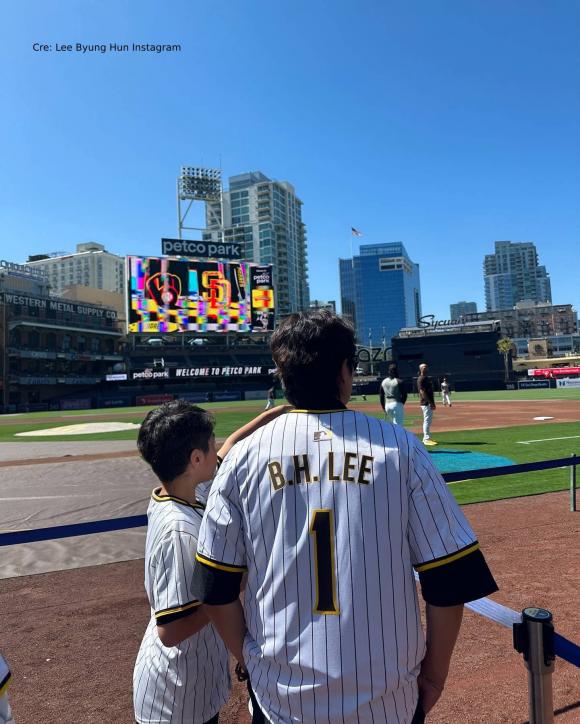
{"type": "Point", "coordinates": [504, 347]}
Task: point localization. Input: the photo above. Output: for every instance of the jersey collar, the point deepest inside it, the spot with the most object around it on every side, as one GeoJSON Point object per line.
{"type": "Point", "coordinates": [338, 407]}
{"type": "Point", "coordinates": [158, 498]}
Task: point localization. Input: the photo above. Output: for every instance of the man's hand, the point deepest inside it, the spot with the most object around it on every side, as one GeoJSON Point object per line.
{"type": "Point", "coordinates": [429, 692]}
{"type": "Point", "coordinates": [433, 406]}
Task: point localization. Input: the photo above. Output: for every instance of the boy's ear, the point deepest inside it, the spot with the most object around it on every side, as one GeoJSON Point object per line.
{"type": "Point", "coordinates": [195, 457]}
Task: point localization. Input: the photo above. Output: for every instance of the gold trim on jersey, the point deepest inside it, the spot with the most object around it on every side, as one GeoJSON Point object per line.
{"type": "Point", "coordinates": [447, 559]}
{"type": "Point", "coordinates": [177, 609]}
{"type": "Point", "coordinates": [5, 683]}
{"type": "Point", "coordinates": [220, 566]}
{"type": "Point", "coordinates": [165, 498]}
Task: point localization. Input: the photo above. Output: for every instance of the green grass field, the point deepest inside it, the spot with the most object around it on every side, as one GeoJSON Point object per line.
{"type": "Point", "coordinates": [504, 442]}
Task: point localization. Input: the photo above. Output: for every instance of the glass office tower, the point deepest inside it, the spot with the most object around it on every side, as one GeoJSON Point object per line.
{"type": "Point", "coordinates": [380, 292]}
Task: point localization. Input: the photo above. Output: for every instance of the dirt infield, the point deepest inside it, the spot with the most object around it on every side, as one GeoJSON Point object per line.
{"type": "Point", "coordinates": [468, 415]}
{"type": "Point", "coordinates": [477, 415]}
{"type": "Point", "coordinates": [463, 415]}
{"type": "Point", "coordinates": [72, 636]}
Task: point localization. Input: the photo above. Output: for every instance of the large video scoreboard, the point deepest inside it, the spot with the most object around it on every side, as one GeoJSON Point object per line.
{"type": "Point", "coordinates": [191, 295]}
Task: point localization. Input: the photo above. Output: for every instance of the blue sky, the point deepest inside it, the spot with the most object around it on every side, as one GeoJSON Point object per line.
{"type": "Point", "coordinates": [445, 125]}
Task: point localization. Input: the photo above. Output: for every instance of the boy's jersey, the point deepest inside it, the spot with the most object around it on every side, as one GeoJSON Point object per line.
{"type": "Point", "coordinates": [188, 682]}
{"type": "Point", "coordinates": [329, 512]}
{"type": "Point", "coordinates": [5, 676]}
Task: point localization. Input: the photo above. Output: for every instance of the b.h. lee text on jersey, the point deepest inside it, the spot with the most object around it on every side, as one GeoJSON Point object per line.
{"type": "Point", "coordinates": [348, 468]}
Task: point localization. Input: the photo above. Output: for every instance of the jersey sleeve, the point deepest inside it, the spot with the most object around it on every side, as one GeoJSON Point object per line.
{"type": "Point", "coordinates": [445, 552]}
{"type": "Point", "coordinates": [5, 676]}
{"type": "Point", "coordinates": [221, 554]}
{"type": "Point", "coordinates": [172, 596]}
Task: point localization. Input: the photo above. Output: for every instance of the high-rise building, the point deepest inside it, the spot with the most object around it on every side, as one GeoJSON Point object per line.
{"type": "Point", "coordinates": [265, 218]}
{"type": "Point", "coordinates": [512, 274]}
{"type": "Point", "coordinates": [460, 309]}
{"type": "Point", "coordinates": [90, 266]}
{"type": "Point", "coordinates": [330, 306]}
{"type": "Point", "coordinates": [380, 292]}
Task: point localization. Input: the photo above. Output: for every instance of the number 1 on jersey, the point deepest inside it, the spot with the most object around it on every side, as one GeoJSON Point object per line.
{"type": "Point", "coordinates": [322, 530]}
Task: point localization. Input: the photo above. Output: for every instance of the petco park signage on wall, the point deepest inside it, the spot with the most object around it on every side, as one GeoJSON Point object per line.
{"type": "Point", "coordinates": [200, 249]}
{"type": "Point", "coordinates": [196, 373]}
{"type": "Point", "coordinates": [229, 371]}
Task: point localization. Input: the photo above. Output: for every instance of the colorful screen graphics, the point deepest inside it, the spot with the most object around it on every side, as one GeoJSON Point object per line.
{"type": "Point", "coordinates": [190, 295]}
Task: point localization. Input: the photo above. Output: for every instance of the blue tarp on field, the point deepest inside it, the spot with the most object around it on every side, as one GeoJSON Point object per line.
{"type": "Point", "coordinates": [451, 461]}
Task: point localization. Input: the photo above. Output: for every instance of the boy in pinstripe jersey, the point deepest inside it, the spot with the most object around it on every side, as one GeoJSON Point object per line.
{"type": "Point", "coordinates": [329, 511]}
{"type": "Point", "coordinates": [5, 679]}
{"type": "Point", "coordinates": [181, 673]}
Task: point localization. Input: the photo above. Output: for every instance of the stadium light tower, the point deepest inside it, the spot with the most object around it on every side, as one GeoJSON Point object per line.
{"type": "Point", "coordinates": [198, 184]}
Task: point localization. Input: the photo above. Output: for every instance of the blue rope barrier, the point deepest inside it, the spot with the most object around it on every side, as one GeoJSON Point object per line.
{"type": "Point", "coordinates": [508, 470]}
{"type": "Point", "coordinates": [68, 531]}
{"type": "Point", "coordinates": [567, 650]}
{"type": "Point", "coordinates": [136, 521]}
{"type": "Point", "coordinates": [563, 647]}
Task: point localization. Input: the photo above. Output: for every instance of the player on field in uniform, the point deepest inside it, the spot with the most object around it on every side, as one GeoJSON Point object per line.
{"type": "Point", "coordinates": [329, 510]}
{"type": "Point", "coordinates": [270, 398]}
{"type": "Point", "coordinates": [181, 673]}
{"type": "Point", "coordinates": [427, 402]}
{"type": "Point", "coordinates": [393, 396]}
{"type": "Point", "coordinates": [445, 393]}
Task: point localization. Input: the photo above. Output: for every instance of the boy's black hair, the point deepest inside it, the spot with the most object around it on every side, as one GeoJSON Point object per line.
{"type": "Point", "coordinates": [309, 349]}
{"type": "Point", "coordinates": [170, 433]}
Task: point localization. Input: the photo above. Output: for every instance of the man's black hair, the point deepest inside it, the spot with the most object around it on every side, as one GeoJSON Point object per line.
{"type": "Point", "coordinates": [393, 370]}
{"type": "Point", "coordinates": [170, 433]}
{"type": "Point", "coordinates": [309, 349]}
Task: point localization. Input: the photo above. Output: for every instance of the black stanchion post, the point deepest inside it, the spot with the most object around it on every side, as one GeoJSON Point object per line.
{"type": "Point", "coordinates": [573, 484]}
{"type": "Point", "coordinates": [534, 638]}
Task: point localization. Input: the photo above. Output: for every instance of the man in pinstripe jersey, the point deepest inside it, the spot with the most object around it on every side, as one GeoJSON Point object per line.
{"type": "Point", "coordinates": [181, 673]}
{"type": "Point", "coordinates": [329, 511]}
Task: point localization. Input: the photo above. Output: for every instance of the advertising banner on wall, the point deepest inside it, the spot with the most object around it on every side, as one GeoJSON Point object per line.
{"type": "Point", "coordinates": [227, 396]}
{"type": "Point", "coordinates": [193, 396]}
{"type": "Point", "coordinates": [226, 371]}
{"type": "Point", "coordinates": [182, 295]}
{"type": "Point", "coordinates": [153, 399]}
{"type": "Point", "coordinates": [554, 371]}
{"type": "Point", "coordinates": [532, 384]}
{"type": "Point", "coordinates": [567, 382]}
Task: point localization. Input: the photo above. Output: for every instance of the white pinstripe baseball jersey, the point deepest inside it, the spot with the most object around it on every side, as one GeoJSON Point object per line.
{"type": "Point", "coordinates": [5, 676]}
{"type": "Point", "coordinates": [188, 682]}
{"type": "Point", "coordinates": [329, 512]}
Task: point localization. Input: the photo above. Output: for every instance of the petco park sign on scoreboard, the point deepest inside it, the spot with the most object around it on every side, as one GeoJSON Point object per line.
{"type": "Point", "coordinates": [200, 249]}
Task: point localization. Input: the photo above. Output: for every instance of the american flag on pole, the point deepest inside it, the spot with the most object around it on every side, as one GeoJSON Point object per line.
{"type": "Point", "coordinates": [355, 232]}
